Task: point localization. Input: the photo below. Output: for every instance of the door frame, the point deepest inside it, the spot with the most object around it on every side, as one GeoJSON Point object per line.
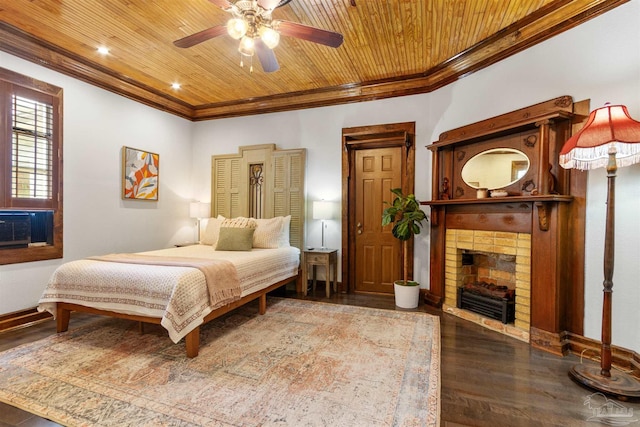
{"type": "Point", "coordinates": [371, 137]}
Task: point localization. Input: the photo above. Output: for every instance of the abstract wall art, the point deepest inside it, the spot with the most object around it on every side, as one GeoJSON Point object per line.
{"type": "Point", "coordinates": [140, 170]}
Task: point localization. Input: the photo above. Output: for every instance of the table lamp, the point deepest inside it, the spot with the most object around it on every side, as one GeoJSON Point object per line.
{"type": "Point", "coordinates": [322, 210]}
{"type": "Point", "coordinates": [199, 210]}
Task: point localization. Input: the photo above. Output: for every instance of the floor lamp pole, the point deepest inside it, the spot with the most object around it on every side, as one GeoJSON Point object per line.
{"type": "Point", "coordinates": [619, 383]}
{"type": "Point", "coordinates": [607, 292]}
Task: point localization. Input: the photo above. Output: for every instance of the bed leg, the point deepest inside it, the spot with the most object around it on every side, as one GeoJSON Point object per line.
{"type": "Point", "coordinates": [62, 319]}
{"type": "Point", "coordinates": [141, 328]}
{"type": "Point", "coordinates": [299, 283]}
{"type": "Point", "coordinates": [192, 341]}
{"type": "Point", "coordinates": [263, 304]}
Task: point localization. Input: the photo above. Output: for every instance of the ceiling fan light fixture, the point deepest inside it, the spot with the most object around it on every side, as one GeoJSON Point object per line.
{"type": "Point", "coordinates": [237, 28]}
{"type": "Point", "coordinates": [246, 46]}
{"type": "Point", "coordinates": [257, 32]}
{"type": "Point", "coordinates": [270, 37]}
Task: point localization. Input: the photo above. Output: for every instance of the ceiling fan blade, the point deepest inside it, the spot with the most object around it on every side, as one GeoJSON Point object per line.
{"type": "Point", "coordinates": [222, 4]}
{"type": "Point", "coordinates": [268, 4]}
{"type": "Point", "coordinates": [201, 36]}
{"type": "Point", "coordinates": [312, 34]}
{"type": "Point", "coordinates": [266, 56]}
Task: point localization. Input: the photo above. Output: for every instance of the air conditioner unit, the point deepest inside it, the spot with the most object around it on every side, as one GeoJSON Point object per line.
{"type": "Point", "coordinates": [15, 229]}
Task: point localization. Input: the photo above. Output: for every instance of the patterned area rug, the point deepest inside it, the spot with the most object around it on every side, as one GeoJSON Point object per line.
{"type": "Point", "coordinates": [301, 364]}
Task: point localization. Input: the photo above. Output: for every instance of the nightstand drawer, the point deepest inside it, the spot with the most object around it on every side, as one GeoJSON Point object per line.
{"type": "Point", "coordinates": [321, 258]}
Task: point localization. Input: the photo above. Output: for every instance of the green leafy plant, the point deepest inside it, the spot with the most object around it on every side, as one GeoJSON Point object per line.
{"type": "Point", "coordinates": [407, 218]}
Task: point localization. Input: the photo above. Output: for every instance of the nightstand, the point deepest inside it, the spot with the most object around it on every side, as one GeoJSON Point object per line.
{"type": "Point", "coordinates": [328, 258]}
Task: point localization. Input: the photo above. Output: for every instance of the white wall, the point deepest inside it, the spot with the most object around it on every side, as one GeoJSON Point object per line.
{"type": "Point", "coordinates": [590, 61]}
{"type": "Point", "coordinates": [96, 125]}
{"type": "Point", "coordinates": [320, 132]}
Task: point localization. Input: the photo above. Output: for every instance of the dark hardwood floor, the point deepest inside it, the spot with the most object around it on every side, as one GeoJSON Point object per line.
{"type": "Point", "coordinates": [487, 379]}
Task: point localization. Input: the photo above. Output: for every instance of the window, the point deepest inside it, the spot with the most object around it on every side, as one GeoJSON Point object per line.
{"type": "Point", "coordinates": [30, 169]}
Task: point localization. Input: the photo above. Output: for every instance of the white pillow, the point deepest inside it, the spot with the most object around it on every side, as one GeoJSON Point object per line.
{"type": "Point", "coordinates": [268, 232]}
{"type": "Point", "coordinates": [272, 232]}
{"type": "Point", "coordinates": [284, 237]}
{"type": "Point", "coordinates": [212, 232]}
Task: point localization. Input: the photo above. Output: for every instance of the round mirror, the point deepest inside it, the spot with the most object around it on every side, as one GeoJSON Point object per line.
{"type": "Point", "coordinates": [495, 168]}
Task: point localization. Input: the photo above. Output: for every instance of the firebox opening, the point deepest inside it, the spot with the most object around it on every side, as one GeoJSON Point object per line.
{"type": "Point", "coordinates": [488, 285]}
{"type": "Point", "coordinates": [470, 243]}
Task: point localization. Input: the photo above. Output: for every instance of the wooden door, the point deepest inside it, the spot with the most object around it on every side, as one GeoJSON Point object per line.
{"type": "Point", "coordinates": [375, 158]}
{"type": "Point", "coordinates": [378, 254]}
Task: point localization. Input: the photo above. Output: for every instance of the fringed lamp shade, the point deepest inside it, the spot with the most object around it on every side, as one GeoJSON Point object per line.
{"type": "Point", "coordinates": [608, 128]}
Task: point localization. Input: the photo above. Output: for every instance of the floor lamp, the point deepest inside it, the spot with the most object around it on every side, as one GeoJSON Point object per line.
{"type": "Point", "coordinates": [611, 139]}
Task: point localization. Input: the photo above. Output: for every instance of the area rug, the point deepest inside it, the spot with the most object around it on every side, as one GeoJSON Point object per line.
{"type": "Point", "coordinates": [301, 364]}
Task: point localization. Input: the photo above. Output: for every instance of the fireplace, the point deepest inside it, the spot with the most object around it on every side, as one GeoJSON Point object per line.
{"type": "Point", "coordinates": [500, 258]}
{"type": "Point", "coordinates": [537, 218]}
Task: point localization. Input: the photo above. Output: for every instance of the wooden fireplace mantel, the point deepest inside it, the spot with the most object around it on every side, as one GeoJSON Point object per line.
{"type": "Point", "coordinates": [543, 203]}
{"type": "Point", "coordinates": [548, 202]}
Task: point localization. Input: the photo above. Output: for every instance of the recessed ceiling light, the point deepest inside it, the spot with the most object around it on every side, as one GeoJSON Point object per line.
{"type": "Point", "coordinates": [103, 50]}
{"type": "Point", "coordinates": [175, 85]}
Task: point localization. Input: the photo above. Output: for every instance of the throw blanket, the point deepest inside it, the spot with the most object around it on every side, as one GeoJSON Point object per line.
{"type": "Point", "coordinates": [180, 291]}
{"type": "Point", "coordinates": [220, 275]}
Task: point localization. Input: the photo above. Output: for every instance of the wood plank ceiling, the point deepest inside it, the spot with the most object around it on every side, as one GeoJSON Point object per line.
{"type": "Point", "coordinates": [391, 48]}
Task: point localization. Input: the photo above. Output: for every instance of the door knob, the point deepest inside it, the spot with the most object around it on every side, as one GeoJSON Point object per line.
{"type": "Point", "coordinates": [359, 226]}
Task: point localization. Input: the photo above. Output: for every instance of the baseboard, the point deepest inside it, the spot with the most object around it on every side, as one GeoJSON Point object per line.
{"type": "Point", "coordinates": [563, 343]}
{"type": "Point", "coordinates": [431, 299]}
{"type": "Point", "coordinates": [22, 318]}
{"type": "Point", "coordinates": [621, 358]}
{"type": "Point", "coordinates": [552, 342]}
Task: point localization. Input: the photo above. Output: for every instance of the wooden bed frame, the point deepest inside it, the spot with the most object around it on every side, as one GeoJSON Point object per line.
{"type": "Point", "coordinates": [192, 339]}
{"type": "Point", "coordinates": [269, 156]}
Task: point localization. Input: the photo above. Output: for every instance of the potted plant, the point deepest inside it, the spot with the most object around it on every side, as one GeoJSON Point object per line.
{"type": "Point", "coordinates": [407, 217]}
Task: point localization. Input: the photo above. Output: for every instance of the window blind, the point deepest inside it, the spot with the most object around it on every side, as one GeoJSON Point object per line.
{"type": "Point", "coordinates": [32, 146]}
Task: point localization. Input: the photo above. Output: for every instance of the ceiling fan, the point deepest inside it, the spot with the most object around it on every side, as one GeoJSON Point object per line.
{"type": "Point", "coordinates": [258, 32]}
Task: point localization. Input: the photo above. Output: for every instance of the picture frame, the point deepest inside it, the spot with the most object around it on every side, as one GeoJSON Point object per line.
{"type": "Point", "coordinates": [140, 174]}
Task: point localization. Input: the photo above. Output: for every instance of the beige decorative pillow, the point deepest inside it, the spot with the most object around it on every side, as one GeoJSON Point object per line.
{"type": "Point", "coordinates": [239, 222]}
{"type": "Point", "coordinates": [268, 232]}
{"type": "Point", "coordinates": [235, 239]}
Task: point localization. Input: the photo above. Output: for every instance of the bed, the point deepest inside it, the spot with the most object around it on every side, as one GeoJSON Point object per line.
{"type": "Point", "coordinates": [179, 288]}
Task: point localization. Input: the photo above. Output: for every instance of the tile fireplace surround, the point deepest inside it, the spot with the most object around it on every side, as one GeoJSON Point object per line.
{"type": "Point", "coordinates": [495, 242]}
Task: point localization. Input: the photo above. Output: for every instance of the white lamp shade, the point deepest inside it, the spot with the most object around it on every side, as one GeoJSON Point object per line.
{"type": "Point", "coordinates": [270, 37]}
{"type": "Point", "coordinates": [246, 46]}
{"type": "Point", "coordinates": [237, 28]}
{"type": "Point", "coordinates": [199, 210]}
{"type": "Point", "coordinates": [322, 210]}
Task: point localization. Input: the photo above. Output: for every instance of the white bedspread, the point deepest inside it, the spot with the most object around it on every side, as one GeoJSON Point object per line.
{"type": "Point", "coordinates": [177, 295]}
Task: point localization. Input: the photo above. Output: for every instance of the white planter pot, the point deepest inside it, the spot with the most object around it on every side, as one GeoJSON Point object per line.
{"type": "Point", "coordinates": [406, 296]}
